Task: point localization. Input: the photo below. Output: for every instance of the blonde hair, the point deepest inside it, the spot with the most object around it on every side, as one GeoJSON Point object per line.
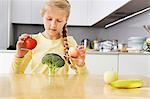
{"type": "Point", "coordinates": [64, 5]}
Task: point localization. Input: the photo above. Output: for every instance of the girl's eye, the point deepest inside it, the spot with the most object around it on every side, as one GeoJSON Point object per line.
{"type": "Point", "coordinates": [59, 21]}
{"type": "Point", "coordinates": [49, 19]}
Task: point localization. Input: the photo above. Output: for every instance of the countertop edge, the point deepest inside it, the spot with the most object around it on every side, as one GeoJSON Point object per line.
{"type": "Point", "coordinates": [96, 53]}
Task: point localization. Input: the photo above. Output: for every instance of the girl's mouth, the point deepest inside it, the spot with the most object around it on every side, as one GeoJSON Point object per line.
{"type": "Point", "coordinates": [52, 29]}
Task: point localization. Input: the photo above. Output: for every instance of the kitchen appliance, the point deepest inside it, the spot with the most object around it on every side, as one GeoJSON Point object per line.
{"type": "Point", "coordinates": [86, 42]}
{"type": "Point", "coordinates": [106, 46]}
{"type": "Point", "coordinates": [146, 45]}
{"type": "Point", "coordinates": [94, 45]}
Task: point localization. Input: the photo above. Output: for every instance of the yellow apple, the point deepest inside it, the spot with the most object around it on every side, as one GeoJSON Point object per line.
{"type": "Point", "coordinates": [110, 76]}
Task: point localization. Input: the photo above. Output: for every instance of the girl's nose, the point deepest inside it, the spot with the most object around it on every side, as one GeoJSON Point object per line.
{"type": "Point", "coordinates": [53, 24]}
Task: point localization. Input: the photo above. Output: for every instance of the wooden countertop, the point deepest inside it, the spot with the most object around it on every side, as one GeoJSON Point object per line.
{"type": "Point", "coordinates": [67, 87]}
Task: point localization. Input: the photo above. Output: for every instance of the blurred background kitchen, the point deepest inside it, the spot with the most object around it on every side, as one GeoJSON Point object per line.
{"type": "Point", "coordinates": [110, 29]}
{"type": "Point", "coordinates": [106, 24]}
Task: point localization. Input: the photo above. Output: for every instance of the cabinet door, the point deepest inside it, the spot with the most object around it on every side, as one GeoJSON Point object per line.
{"type": "Point", "coordinates": [99, 64]}
{"type": "Point", "coordinates": [133, 64]}
{"type": "Point", "coordinates": [4, 17]}
{"type": "Point", "coordinates": [149, 65]}
{"type": "Point", "coordinates": [5, 62]}
{"type": "Point", "coordinates": [78, 15]}
{"type": "Point", "coordinates": [6, 59]}
{"type": "Point", "coordinates": [21, 11]}
{"type": "Point", "coordinates": [99, 9]}
{"type": "Point", "coordinates": [36, 7]}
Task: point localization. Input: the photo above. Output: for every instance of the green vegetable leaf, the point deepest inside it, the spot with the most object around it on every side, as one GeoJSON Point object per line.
{"type": "Point", "coordinates": [53, 61]}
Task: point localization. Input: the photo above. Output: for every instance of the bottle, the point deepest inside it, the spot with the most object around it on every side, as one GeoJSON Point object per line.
{"type": "Point", "coordinates": [96, 45]}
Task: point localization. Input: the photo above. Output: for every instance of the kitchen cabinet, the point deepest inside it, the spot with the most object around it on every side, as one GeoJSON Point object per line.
{"type": "Point", "coordinates": [99, 9]}
{"type": "Point", "coordinates": [148, 65]}
{"type": "Point", "coordinates": [100, 63]}
{"type": "Point", "coordinates": [28, 11]}
{"type": "Point", "coordinates": [36, 18]}
{"type": "Point", "coordinates": [125, 64]}
{"type": "Point", "coordinates": [5, 62]}
{"type": "Point", "coordinates": [83, 12]}
{"type": "Point", "coordinates": [131, 64]}
{"type": "Point", "coordinates": [78, 15]}
{"type": "Point", "coordinates": [21, 11]}
{"type": "Point", "coordinates": [6, 59]}
{"type": "Point", "coordinates": [4, 23]}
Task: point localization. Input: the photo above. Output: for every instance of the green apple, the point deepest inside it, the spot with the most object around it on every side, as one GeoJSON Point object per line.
{"type": "Point", "coordinates": [110, 76]}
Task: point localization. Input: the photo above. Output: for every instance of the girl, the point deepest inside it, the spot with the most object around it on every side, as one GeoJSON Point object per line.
{"type": "Point", "coordinates": [54, 39]}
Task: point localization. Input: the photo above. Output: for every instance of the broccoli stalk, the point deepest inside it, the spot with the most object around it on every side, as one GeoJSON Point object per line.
{"type": "Point", "coordinates": [54, 62]}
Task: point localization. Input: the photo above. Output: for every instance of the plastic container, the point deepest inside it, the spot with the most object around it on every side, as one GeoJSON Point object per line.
{"type": "Point", "coordinates": [136, 42]}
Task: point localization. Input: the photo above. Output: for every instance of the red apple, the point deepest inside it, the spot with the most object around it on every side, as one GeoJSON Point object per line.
{"type": "Point", "coordinates": [30, 43]}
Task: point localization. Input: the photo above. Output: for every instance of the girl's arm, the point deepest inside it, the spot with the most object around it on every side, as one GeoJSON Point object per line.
{"type": "Point", "coordinates": [78, 64]}
{"type": "Point", "coordinates": [19, 64]}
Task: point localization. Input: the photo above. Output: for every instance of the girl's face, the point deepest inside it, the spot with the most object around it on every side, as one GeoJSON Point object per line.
{"type": "Point", "coordinates": [54, 20]}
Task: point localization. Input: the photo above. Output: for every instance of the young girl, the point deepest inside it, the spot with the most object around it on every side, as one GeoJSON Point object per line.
{"type": "Point", "coordinates": [54, 39]}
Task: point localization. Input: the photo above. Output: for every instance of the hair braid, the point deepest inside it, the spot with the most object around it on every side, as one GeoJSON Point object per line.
{"type": "Point", "coordinates": [66, 46]}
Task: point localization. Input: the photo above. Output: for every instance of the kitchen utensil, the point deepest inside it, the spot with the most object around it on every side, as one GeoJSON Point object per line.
{"type": "Point", "coordinates": [115, 45]}
{"type": "Point", "coordinates": [147, 28]}
{"type": "Point", "coordinates": [106, 46]}
{"type": "Point", "coordinates": [86, 43]}
{"type": "Point", "coordinates": [96, 45]}
{"type": "Point", "coordinates": [146, 45]}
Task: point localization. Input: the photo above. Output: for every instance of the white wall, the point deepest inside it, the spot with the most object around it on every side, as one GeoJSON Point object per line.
{"type": "Point", "coordinates": [130, 27]}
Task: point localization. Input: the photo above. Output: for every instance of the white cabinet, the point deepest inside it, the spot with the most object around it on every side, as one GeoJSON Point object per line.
{"type": "Point", "coordinates": [35, 11]}
{"type": "Point", "coordinates": [78, 15]}
{"type": "Point", "coordinates": [83, 12]}
{"type": "Point", "coordinates": [134, 64]}
{"type": "Point", "coordinates": [6, 59]}
{"type": "Point", "coordinates": [21, 11]}
{"type": "Point", "coordinates": [127, 64]}
{"type": "Point", "coordinates": [149, 65]}
{"type": "Point", "coordinates": [99, 64]}
{"type": "Point", "coordinates": [5, 62]}
{"type": "Point", "coordinates": [4, 23]}
{"type": "Point", "coordinates": [28, 11]}
{"type": "Point", "coordinates": [99, 9]}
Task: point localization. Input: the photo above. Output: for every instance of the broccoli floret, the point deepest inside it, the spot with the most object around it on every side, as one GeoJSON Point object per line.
{"type": "Point", "coordinates": [53, 61]}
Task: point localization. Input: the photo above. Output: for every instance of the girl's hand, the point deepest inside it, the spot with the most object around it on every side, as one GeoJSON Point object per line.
{"type": "Point", "coordinates": [80, 59]}
{"type": "Point", "coordinates": [20, 46]}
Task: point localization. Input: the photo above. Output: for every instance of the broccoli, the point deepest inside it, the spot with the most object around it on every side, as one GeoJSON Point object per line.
{"type": "Point", "coordinates": [53, 61]}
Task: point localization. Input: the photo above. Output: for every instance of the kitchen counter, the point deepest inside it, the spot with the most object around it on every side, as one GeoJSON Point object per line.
{"type": "Point", "coordinates": [19, 86]}
{"type": "Point", "coordinates": [7, 51]}
{"type": "Point", "coordinates": [95, 52]}
{"type": "Point", "coordinates": [117, 53]}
